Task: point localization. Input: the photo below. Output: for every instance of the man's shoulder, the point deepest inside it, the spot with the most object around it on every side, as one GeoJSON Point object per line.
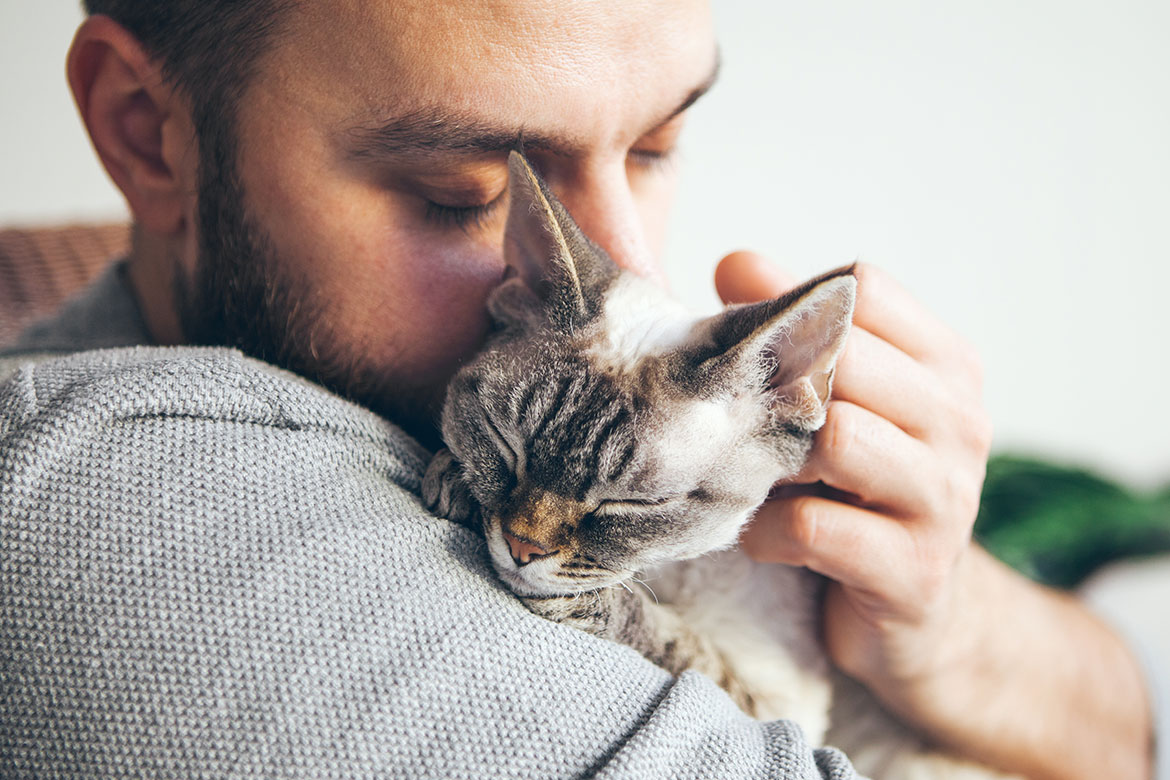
{"type": "Point", "coordinates": [204, 551]}
{"type": "Point", "coordinates": [191, 531]}
{"type": "Point", "coordinates": [213, 382]}
{"type": "Point", "coordinates": [95, 390]}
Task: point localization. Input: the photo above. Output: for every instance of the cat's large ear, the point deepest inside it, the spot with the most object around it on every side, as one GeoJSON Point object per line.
{"type": "Point", "coordinates": [788, 347]}
{"type": "Point", "coordinates": [552, 258]}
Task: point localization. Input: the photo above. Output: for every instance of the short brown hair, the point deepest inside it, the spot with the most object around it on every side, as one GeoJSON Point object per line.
{"type": "Point", "coordinates": [208, 48]}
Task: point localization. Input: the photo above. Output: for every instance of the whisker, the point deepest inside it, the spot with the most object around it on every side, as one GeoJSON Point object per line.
{"type": "Point", "coordinates": [646, 585]}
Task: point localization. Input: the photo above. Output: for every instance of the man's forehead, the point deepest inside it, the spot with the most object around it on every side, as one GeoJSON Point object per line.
{"type": "Point", "coordinates": [439, 131]}
{"type": "Point", "coordinates": [497, 67]}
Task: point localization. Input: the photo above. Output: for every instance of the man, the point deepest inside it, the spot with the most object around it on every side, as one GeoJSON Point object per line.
{"type": "Point", "coordinates": [321, 184]}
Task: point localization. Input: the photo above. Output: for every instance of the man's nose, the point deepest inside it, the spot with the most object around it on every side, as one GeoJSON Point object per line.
{"type": "Point", "coordinates": [524, 551]}
{"type": "Point", "coordinates": [602, 203]}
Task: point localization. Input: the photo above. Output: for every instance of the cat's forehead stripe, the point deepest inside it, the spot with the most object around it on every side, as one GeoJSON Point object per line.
{"type": "Point", "coordinates": [574, 423]}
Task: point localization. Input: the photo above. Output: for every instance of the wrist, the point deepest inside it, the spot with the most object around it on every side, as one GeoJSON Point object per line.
{"type": "Point", "coordinates": [1020, 677]}
{"type": "Point", "coordinates": [898, 654]}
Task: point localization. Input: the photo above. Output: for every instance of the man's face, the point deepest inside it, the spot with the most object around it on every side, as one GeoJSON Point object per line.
{"type": "Point", "coordinates": [372, 162]}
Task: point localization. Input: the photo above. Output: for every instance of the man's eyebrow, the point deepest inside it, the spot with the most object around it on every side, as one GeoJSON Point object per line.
{"type": "Point", "coordinates": [698, 91]}
{"type": "Point", "coordinates": [432, 131]}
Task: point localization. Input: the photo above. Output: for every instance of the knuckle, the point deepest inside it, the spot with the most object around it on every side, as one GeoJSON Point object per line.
{"type": "Point", "coordinates": [977, 430]}
{"type": "Point", "coordinates": [839, 435]}
{"type": "Point", "coordinates": [942, 402]}
{"type": "Point", "coordinates": [934, 499]}
{"type": "Point", "coordinates": [972, 363]}
{"type": "Point", "coordinates": [969, 423]}
{"type": "Point", "coordinates": [962, 499]}
{"type": "Point", "coordinates": [804, 522]}
{"type": "Point", "coordinates": [937, 500]}
{"type": "Point", "coordinates": [949, 507]}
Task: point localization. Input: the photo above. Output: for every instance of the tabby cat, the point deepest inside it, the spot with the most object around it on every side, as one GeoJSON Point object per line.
{"type": "Point", "coordinates": [605, 438]}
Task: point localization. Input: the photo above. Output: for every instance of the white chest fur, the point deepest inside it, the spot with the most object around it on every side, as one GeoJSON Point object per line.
{"type": "Point", "coordinates": [763, 618]}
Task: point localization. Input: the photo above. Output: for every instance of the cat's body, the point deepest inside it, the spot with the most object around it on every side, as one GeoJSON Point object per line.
{"type": "Point", "coordinates": [611, 447]}
{"type": "Point", "coordinates": [778, 662]}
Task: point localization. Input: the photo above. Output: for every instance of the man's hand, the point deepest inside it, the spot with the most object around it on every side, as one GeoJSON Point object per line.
{"type": "Point", "coordinates": [980, 659]}
{"type": "Point", "coordinates": [903, 453]}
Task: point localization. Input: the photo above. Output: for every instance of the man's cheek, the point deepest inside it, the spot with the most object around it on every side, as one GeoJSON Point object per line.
{"type": "Point", "coordinates": [439, 300]}
{"type": "Point", "coordinates": [449, 274]}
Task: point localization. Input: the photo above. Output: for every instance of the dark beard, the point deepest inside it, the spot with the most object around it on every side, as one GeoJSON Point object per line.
{"type": "Point", "coordinates": [240, 295]}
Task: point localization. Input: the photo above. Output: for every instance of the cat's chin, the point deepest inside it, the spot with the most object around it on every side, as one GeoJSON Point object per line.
{"type": "Point", "coordinates": [523, 585]}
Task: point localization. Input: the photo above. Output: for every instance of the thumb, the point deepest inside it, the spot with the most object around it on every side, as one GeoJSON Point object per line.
{"type": "Point", "coordinates": [746, 277]}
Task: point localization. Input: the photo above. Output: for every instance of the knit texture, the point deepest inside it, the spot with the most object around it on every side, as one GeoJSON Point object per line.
{"type": "Point", "coordinates": [213, 568]}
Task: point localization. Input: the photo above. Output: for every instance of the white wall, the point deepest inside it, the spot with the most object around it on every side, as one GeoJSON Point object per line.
{"type": "Point", "coordinates": [47, 170]}
{"type": "Point", "coordinates": [1008, 161]}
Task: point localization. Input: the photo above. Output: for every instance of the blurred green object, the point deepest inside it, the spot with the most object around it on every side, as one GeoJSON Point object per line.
{"type": "Point", "coordinates": [1058, 524]}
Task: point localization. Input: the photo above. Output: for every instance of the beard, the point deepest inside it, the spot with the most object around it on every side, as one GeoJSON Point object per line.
{"type": "Point", "coordinates": [241, 295]}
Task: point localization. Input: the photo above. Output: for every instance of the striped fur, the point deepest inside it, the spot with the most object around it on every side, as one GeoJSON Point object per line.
{"type": "Point", "coordinates": [617, 440]}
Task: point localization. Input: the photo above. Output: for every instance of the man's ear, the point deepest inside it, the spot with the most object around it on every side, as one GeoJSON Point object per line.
{"type": "Point", "coordinates": [138, 122]}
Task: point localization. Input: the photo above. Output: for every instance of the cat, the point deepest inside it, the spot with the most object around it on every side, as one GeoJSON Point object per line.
{"type": "Point", "coordinates": [604, 438]}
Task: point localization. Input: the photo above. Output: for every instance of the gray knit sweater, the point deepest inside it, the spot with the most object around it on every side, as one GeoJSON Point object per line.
{"type": "Point", "coordinates": [213, 568]}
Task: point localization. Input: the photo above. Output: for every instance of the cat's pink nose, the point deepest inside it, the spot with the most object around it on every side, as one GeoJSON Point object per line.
{"type": "Point", "coordinates": [524, 551]}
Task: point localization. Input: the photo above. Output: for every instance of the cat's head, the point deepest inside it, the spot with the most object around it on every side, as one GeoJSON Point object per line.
{"type": "Point", "coordinates": [603, 430]}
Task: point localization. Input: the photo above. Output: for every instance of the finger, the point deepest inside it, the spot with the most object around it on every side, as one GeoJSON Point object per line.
{"type": "Point", "coordinates": [874, 374]}
{"type": "Point", "coordinates": [856, 547]}
{"type": "Point", "coordinates": [747, 277]}
{"type": "Point", "coordinates": [888, 311]}
{"type": "Point", "coordinates": [866, 456]}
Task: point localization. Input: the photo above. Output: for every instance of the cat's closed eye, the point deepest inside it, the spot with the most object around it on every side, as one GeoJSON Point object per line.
{"type": "Point", "coordinates": [613, 505]}
{"type": "Point", "coordinates": [505, 449]}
